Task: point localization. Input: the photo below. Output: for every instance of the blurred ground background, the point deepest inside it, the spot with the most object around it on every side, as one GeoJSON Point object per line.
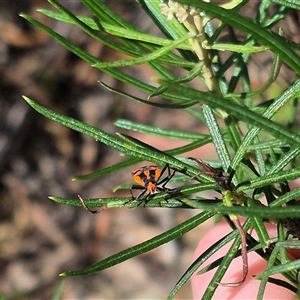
{"type": "Point", "coordinates": [40, 239]}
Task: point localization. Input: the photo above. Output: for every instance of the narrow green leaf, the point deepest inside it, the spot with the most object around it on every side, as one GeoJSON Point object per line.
{"type": "Point", "coordinates": [115, 30]}
{"type": "Point", "coordinates": [290, 244]}
{"type": "Point", "coordinates": [143, 59]}
{"type": "Point", "coordinates": [260, 228]}
{"type": "Point", "coordinates": [58, 292]}
{"type": "Point", "coordinates": [185, 103]}
{"type": "Point", "coordinates": [119, 144]}
{"type": "Point", "coordinates": [266, 145]}
{"type": "Point", "coordinates": [264, 212]}
{"type": "Point", "coordinates": [145, 38]}
{"type": "Point", "coordinates": [284, 161]}
{"type": "Point", "coordinates": [63, 18]}
{"type": "Point", "coordinates": [236, 48]}
{"type": "Point", "coordinates": [273, 178]}
{"type": "Point", "coordinates": [217, 137]}
{"type": "Point", "coordinates": [173, 134]}
{"type": "Point", "coordinates": [286, 198]}
{"type": "Point", "coordinates": [282, 268]}
{"type": "Point", "coordinates": [289, 3]}
{"type": "Point", "coordinates": [144, 247]}
{"type": "Point", "coordinates": [159, 200]}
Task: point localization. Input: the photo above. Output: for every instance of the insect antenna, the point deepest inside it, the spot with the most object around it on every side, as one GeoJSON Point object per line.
{"type": "Point", "coordinates": [96, 211]}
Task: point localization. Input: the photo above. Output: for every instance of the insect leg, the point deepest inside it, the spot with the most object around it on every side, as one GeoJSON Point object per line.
{"type": "Point", "coordinates": [138, 187]}
{"type": "Point", "coordinates": [165, 181]}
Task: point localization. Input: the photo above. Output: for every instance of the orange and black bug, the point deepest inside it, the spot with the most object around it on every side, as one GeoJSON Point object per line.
{"type": "Point", "coordinates": [150, 181]}
{"type": "Point", "coordinates": [229, 193]}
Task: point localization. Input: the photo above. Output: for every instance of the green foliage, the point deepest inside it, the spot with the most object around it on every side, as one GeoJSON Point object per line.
{"type": "Point", "coordinates": [242, 126]}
